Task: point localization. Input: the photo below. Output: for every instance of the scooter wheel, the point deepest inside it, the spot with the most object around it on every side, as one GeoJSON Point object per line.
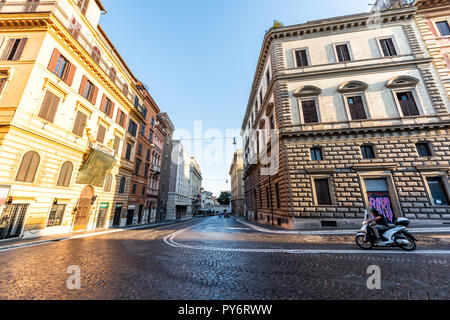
{"type": "Point", "coordinates": [411, 246]}
{"type": "Point", "coordinates": [363, 243]}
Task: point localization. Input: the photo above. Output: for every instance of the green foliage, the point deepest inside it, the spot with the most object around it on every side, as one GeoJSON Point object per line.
{"type": "Point", "coordinates": [224, 198]}
{"type": "Point", "coordinates": [277, 24]}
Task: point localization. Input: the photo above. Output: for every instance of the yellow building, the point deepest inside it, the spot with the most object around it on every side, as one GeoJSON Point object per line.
{"type": "Point", "coordinates": [433, 20]}
{"type": "Point", "coordinates": [68, 124]}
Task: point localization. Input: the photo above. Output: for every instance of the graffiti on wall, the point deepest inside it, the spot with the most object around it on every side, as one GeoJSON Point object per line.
{"type": "Point", "coordinates": [382, 202]}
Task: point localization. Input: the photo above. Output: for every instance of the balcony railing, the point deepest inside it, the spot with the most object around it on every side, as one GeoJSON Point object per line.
{"type": "Point", "coordinates": [74, 29]}
{"type": "Point", "coordinates": [156, 168]}
{"type": "Point", "coordinates": [152, 192]}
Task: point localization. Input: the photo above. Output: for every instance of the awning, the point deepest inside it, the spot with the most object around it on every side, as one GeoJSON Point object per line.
{"type": "Point", "coordinates": [94, 170]}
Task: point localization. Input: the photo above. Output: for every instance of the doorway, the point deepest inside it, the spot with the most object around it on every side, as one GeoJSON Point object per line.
{"type": "Point", "coordinates": [380, 198]}
{"type": "Point", "coordinates": [83, 209]}
{"type": "Point", "coordinates": [130, 217]}
{"type": "Point", "coordinates": [117, 215]}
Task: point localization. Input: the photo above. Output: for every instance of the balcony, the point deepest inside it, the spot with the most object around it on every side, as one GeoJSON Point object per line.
{"type": "Point", "coordinates": [156, 168]}
{"type": "Point", "coordinates": [152, 192]}
{"type": "Point", "coordinates": [88, 46]}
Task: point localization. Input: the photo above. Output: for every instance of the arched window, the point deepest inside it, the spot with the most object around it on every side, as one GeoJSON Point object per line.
{"type": "Point", "coordinates": [353, 86]}
{"type": "Point", "coordinates": [125, 89]}
{"type": "Point", "coordinates": [307, 91]}
{"type": "Point", "coordinates": [108, 183]}
{"type": "Point", "coordinates": [96, 55]}
{"type": "Point", "coordinates": [122, 185]}
{"type": "Point", "coordinates": [28, 167]}
{"type": "Point", "coordinates": [113, 74]}
{"type": "Point", "coordinates": [65, 175]}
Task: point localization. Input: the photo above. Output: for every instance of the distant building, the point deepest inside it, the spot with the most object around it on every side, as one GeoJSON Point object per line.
{"type": "Point", "coordinates": [207, 199]}
{"type": "Point", "coordinates": [237, 184]}
{"type": "Point", "coordinates": [195, 185]}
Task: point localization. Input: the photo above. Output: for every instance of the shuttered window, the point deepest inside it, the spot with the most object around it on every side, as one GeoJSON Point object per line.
{"type": "Point", "coordinates": [356, 107]}
{"type": "Point", "coordinates": [387, 45]}
{"type": "Point", "coordinates": [83, 5]}
{"type": "Point", "coordinates": [310, 111]}
{"type": "Point", "coordinates": [101, 132]}
{"type": "Point", "coordinates": [322, 191]}
{"type": "Point", "coordinates": [28, 167]}
{"type": "Point", "coordinates": [88, 90]}
{"type": "Point", "coordinates": [343, 53]}
{"type": "Point", "coordinates": [121, 118]}
{"type": "Point", "coordinates": [49, 107]}
{"type": "Point", "coordinates": [301, 57]}
{"type": "Point", "coordinates": [108, 183]}
{"type": "Point", "coordinates": [107, 106]}
{"type": "Point", "coordinates": [408, 104]}
{"type": "Point", "coordinates": [132, 128]}
{"type": "Point", "coordinates": [65, 174]}
{"type": "Point", "coordinates": [61, 67]}
{"type": "Point", "coordinates": [80, 123]}
{"type": "Point", "coordinates": [13, 49]}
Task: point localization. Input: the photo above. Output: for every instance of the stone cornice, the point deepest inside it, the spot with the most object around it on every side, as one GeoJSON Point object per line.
{"type": "Point", "coordinates": [338, 24]}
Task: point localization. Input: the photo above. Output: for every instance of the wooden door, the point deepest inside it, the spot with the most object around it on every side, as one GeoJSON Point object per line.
{"type": "Point", "coordinates": [83, 209]}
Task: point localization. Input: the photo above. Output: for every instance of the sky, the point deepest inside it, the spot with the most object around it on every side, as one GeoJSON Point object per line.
{"type": "Point", "coordinates": [198, 59]}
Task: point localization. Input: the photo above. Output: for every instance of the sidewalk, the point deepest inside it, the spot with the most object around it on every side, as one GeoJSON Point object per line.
{"type": "Point", "coordinates": [431, 229]}
{"type": "Point", "coordinates": [19, 243]}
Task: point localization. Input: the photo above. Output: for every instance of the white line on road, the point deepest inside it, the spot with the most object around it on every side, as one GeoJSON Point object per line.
{"type": "Point", "coordinates": [170, 240]}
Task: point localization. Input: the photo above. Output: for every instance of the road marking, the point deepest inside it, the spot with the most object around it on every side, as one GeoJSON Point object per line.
{"type": "Point", "coordinates": [170, 240]}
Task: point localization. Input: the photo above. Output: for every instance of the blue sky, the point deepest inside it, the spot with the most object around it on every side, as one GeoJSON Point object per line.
{"type": "Point", "coordinates": [198, 57]}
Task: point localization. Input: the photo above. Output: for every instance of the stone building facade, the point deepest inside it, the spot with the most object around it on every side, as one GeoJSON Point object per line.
{"type": "Point", "coordinates": [195, 185]}
{"type": "Point", "coordinates": [237, 184]}
{"type": "Point", "coordinates": [346, 114]}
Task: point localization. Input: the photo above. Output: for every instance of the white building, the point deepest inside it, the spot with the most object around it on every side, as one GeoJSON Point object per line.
{"type": "Point", "coordinates": [195, 184]}
{"type": "Point", "coordinates": [179, 203]}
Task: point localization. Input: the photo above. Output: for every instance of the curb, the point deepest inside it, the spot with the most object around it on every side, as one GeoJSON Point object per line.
{"type": "Point", "coordinates": [66, 238]}
{"type": "Point", "coordinates": [336, 232]}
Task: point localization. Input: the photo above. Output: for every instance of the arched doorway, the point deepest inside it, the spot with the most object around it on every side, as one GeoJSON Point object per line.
{"type": "Point", "coordinates": [83, 209]}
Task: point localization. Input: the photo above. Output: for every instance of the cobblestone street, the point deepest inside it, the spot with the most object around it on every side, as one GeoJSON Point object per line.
{"type": "Point", "coordinates": [216, 258]}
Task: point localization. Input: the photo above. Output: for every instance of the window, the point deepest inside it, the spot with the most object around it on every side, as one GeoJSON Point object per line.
{"type": "Point", "coordinates": [128, 152]}
{"type": "Point", "coordinates": [343, 53]}
{"type": "Point", "coordinates": [148, 155]}
{"type": "Point", "coordinates": [121, 118]}
{"type": "Point", "coordinates": [423, 149]}
{"type": "Point", "coordinates": [101, 132]}
{"type": "Point", "coordinates": [407, 104]}
{"type": "Point", "coordinates": [153, 121]}
{"type": "Point", "coordinates": [438, 192]}
{"type": "Point", "coordinates": [62, 67]}
{"type": "Point", "coordinates": [122, 185]}
{"type": "Point", "coordinates": [133, 190]}
{"type": "Point", "coordinates": [139, 151]}
{"type": "Point", "coordinates": [96, 55]}
{"type": "Point", "coordinates": [151, 136]}
{"type": "Point", "coordinates": [322, 191]}
{"type": "Point", "coordinates": [65, 174]}
{"type": "Point", "coordinates": [147, 166]}
{"type": "Point", "coordinates": [387, 45]}
{"type": "Point", "coordinates": [13, 49]}
{"type": "Point", "coordinates": [309, 111]}
{"type": "Point", "coordinates": [83, 5]}
{"type": "Point", "coordinates": [116, 144]}
{"type": "Point", "coordinates": [268, 197]}
{"type": "Point", "coordinates": [56, 215]}
{"type": "Point", "coordinates": [268, 78]}
{"type": "Point", "coordinates": [367, 152]}
{"type": "Point", "coordinates": [301, 58]}
{"type": "Point", "coordinates": [49, 107]}
{"type": "Point", "coordinates": [80, 123]}
{"type": "Point", "coordinates": [316, 154]}
{"type": "Point", "coordinates": [132, 128]}
{"type": "Point", "coordinates": [113, 74]}
{"type": "Point", "coordinates": [107, 106]}
{"type": "Point", "coordinates": [356, 107]}
{"type": "Point", "coordinates": [444, 28]}
{"type": "Point", "coordinates": [272, 123]}
{"type": "Point", "coordinates": [88, 90]}
{"type": "Point", "coordinates": [142, 129]}
{"type": "Point", "coordinates": [28, 167]}
{"type": "Point", "coordinates": [2, 85]}
{"type": "Point", "coordinates": [277, 192]}
{"type": "Point", "coordinates": [108, 183]}
{"type": "Point", "coordinates": [143, 190]}
{"type": "Point", "coordinates": [138, 166]}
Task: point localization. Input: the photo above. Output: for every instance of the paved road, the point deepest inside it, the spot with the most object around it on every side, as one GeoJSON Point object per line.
{"type": "Point", "coordinates": [216, 258]}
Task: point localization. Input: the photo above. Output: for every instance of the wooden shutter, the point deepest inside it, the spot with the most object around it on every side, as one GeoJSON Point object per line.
{"type": "Point", "coordinates": [28, 167]}
{"type": "Point", "coordinates": [83, 85]}
{"type": "Point", "coordinates": [94, 96]}
{"type": "Point", "coordinates": [8, 48]}
{"type": "Point", "coordinates": [71, 74]}
{"type": "Point", "coordinates": [80, 122]}
{"type": "Point", "coordinates": [54, 60]}
{"type": "Point", "coordinates": [101, 134]}
{"type": "Point", "coordinates": [309, 111]}
{"type": "Point", "coordinates": [322, 192]}
{"type": "Point", "coordinates": [103, 104]}
{"type": "Point", "coordinates": [356, 106]}
{"type": "Point", "coordinates": [20, 48]}
{"type": "Point", "coordinates": [49, 107]}
{"type": "Point", "coordinates": [408, 106]}
{"type": "Point", "coordinates": [116, 144]}
{"type": "Point", "coordinates": [111, 110]}
{"type": "Point", "coordinates": [65, 174]}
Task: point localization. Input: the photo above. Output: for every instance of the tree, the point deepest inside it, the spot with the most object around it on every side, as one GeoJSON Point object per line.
{"type": "Point", "coordinates": [224, 198]}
